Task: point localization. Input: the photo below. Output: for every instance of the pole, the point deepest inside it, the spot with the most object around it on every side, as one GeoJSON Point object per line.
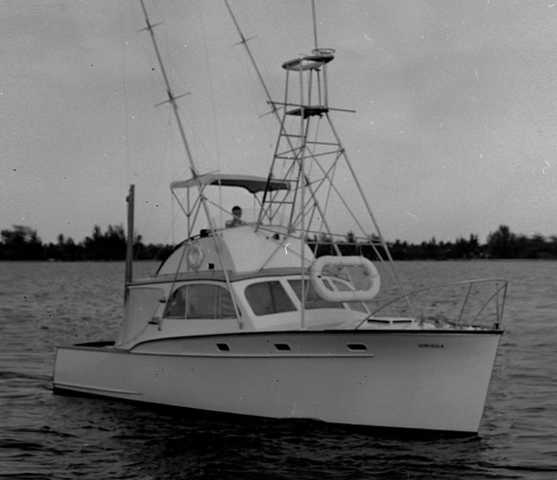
{"type": "Point", "coordinates": [130, 199]}
{"type": "Point", "coordinates": [314, 24]}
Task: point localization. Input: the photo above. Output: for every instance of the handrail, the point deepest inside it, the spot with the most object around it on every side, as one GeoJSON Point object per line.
{"type": "Point", "coordinates": [501, 285]}
{"type": "Point", "coordinates": [496, 296]}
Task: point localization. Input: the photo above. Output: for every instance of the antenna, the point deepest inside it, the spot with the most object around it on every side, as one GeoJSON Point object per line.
{"type": "Point", "coordinates": [314, 24]}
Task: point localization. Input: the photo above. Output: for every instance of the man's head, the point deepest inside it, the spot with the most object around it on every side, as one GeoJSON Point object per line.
{"type": "Point", "coordinates": [236, 211]}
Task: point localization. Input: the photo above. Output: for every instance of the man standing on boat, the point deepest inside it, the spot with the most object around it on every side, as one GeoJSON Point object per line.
{"type": "Point", "coordinates": [236, 217]}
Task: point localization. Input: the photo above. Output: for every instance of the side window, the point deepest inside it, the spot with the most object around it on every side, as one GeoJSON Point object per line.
{"type": "Point", "coordinates": [200, 301]}
{"type": "Point", "coordinates": [312, 299]}
{"type": "Point", "coordinates": [266, 298]}
{"type": "Point", "coordinates": [176, 306]}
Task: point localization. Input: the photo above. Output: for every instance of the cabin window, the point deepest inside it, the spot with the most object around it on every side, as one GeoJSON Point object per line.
{"type": "Point", "coordinates": [200, 301]}
{"type": "Point", "coordinates": [313, 300]}
{"type": "Point", "coordinates": [266, 298]}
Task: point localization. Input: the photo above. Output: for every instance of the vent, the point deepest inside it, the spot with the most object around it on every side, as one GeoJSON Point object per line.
{"type": "Point", "coordinates": [390, 321]}
{"type": "Point", "coordinates": [283, 347]}
{"type": "Point", "coordinates": [223, 347]}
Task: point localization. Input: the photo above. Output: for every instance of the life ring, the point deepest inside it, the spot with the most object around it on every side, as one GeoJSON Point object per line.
{"type": "Point", "coordinates": [195, 256]}
{"type": "Point", "coordinates": [316, 276]}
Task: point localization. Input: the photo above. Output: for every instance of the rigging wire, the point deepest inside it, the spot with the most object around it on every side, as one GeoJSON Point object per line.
{"type": "Point", "coordinates": [213, 104]}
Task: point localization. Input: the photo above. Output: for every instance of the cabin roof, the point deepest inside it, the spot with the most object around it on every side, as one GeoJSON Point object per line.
{"type": "Point", "coordinates": [252, 183]}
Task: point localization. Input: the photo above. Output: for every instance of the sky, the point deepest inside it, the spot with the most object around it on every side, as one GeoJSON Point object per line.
{"type": "Point", "coordinates": [455, 130]}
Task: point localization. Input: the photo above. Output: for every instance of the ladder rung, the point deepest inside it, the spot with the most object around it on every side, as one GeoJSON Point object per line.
{"type": "Point", "coordinates": [291, 135]}
{"type": "Point", "coordinates": [323, 143]}
{"type": "Point", "coordinates": [308, 111]}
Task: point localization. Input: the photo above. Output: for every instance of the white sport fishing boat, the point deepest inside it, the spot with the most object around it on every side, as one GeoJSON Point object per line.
{"type": "Point", "coordinates": [252, 318]}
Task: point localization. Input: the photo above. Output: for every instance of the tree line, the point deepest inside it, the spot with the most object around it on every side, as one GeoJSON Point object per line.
{"type": "Point", "coordinates": [23, 243]}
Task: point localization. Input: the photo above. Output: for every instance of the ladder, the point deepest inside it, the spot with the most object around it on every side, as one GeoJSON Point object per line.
{"type": "Point", "coordinates": [295, 150]}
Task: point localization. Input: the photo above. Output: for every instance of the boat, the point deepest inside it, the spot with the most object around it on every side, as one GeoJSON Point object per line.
{"type": "Point", "coordinates": [277, 315]}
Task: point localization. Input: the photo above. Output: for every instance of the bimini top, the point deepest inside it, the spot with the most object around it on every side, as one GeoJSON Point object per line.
{"type": "Point", "coordinates": [250, 182]}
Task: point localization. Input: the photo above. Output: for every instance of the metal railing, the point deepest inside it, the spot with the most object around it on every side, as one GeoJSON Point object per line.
{"type": "Point", "coordinates": [479, 302]}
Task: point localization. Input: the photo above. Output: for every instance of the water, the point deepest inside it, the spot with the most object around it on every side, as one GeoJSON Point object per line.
{"type": "Point", "coordinates": [55, 437]}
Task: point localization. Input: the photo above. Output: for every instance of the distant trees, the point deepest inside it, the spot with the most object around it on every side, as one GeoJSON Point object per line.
{"type": "Point", "coordinates": [23, 243]}
{"type": "Point", "coordinates": [501, 243]}
{"type": "Point", "coordinates": [505, 244]}
{"type": "Point", "coordinates": [110, 245]}
{"type": "Point", "coordinates": [433, 249]}
{"type": "Point", "coordinates": [467, 248]}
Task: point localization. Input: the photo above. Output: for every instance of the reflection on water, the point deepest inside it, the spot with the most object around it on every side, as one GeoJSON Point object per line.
{"type": "Point", "coordinates": [50, 436]}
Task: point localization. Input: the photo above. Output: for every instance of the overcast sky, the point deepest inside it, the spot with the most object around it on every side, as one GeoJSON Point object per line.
{"type": "Point", "coordinates": [455, 130]}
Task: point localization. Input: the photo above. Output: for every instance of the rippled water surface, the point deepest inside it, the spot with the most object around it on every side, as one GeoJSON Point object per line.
{"type": "Point", "coordinates": [49, 436]}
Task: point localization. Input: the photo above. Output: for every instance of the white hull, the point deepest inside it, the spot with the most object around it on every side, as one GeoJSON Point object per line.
{"type": "Point", "coordinates": [434, 380]}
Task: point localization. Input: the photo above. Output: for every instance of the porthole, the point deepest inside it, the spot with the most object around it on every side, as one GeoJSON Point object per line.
{"type": "Point", "coordinates": [356, 347]}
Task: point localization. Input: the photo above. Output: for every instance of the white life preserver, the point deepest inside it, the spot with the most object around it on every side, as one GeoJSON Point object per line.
{"type": "Point", "coordinates": [195, 256]}
{"type": "Point", "coordinates": [316, 276]}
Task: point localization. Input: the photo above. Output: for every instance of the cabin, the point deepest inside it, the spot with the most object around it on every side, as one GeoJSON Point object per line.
{"type": "Point", "coordinates": [212, 283]}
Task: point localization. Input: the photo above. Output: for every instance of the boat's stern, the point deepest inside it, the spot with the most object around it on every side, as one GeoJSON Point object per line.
{"type": "Point", "coordinates": [95, 368]}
